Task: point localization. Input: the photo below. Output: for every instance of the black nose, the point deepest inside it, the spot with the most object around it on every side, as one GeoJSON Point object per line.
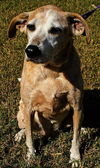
{"type": "Point", "coordinates": [32, 51]}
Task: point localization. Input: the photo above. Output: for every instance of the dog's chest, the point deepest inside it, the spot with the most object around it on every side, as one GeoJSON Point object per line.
{"type": "Point", "coordinates": [50, 97]}
{"type": "Point", "coordinates": [34, 75]}
{"type": "Point", "coordinates": [42, 83]}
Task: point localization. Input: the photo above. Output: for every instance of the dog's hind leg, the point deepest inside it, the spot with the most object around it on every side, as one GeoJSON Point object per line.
{"type": "Point", "coordinates": [21, 124]}
{"type": "Point", "coordinates": [20, 115]}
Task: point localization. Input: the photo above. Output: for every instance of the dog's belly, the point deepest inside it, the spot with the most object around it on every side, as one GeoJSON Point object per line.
{"type": "Point", "coordinates": [57, 119]}
{"type": "Point", "coordinates": [53, 120]}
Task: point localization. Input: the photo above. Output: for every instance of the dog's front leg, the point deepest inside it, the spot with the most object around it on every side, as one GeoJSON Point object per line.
{"type": "Point", "coordinates": [75, 102]}
{"type": "Point", "coordinates": [75, 153]}
{"type": "Point", "coordinates": [28, 133]}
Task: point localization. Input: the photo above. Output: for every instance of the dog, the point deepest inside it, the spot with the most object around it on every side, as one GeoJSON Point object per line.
{"type": "Point", "coordinates": [51, 81]}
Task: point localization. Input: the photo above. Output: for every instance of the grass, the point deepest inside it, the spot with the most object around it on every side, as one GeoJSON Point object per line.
{"type": "Point", "coordinates": [56, 153]}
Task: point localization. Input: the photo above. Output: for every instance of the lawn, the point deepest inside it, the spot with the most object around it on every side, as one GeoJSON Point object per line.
{"type": "Point", "coordinates": [55, 154]}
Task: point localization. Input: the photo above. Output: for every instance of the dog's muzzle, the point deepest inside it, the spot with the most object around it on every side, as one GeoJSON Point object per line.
{"type": "Point", "coordinates": [34, 54]}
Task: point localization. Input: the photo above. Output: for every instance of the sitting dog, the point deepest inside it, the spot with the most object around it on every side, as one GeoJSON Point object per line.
{"type": "Point", "coordinates": [51, 82]}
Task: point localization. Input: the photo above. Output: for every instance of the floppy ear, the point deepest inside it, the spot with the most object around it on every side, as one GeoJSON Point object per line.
{"type": "Point", "coordinates": [78, 25]}
{"type": "Point", "coordinates": [17, 22]}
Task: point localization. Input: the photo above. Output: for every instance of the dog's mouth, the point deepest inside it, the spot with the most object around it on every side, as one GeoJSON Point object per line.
{"type": "Point", "coordinates": [38, 60]}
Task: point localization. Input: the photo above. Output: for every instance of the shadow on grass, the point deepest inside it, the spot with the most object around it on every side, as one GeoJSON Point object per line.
{"type": "Point", "coordinates": [91, 107]}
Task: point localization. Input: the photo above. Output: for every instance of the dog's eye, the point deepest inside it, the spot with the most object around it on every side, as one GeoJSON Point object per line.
{"type": "Point", "coordinates": [31, 27]}
{"type": "Point", "coordinates": [55, 30]}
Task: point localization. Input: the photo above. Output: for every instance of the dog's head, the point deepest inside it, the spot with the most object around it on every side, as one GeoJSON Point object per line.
{"type": "Point", "coordinates": [49, 31]}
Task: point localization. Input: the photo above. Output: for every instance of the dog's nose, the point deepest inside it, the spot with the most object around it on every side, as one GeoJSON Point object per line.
{"type": "Point", "coordinates": [32, 51]}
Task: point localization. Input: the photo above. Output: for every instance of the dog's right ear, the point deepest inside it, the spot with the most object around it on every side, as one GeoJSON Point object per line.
{"type": "Point", "coordinates": [17, 22]}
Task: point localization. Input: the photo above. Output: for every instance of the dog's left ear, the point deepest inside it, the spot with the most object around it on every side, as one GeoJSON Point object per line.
{"type": "Point", "coordinates": [78, 25]}
{"type": "Point", "coordinates": [17, 22]}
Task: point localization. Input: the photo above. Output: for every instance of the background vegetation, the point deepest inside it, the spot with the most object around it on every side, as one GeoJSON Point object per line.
{"type": "Point", "coordinates": [56, 153]}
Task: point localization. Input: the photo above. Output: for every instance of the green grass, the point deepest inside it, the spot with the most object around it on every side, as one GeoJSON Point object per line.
{"type": "Point", "coordinates": [56, 153]}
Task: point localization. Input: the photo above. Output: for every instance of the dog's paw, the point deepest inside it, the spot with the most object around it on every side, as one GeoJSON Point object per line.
{"type": "Point", "coordinates": [75, 159]}
{"type": "Point", "coordinates": [30, 154]}
{"type": "Point", "coordinates": [19, 135]}
{"type": "Point", "coordinates": [75, 163]}
{"type": "Point", "coordinates": [84, 131]}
